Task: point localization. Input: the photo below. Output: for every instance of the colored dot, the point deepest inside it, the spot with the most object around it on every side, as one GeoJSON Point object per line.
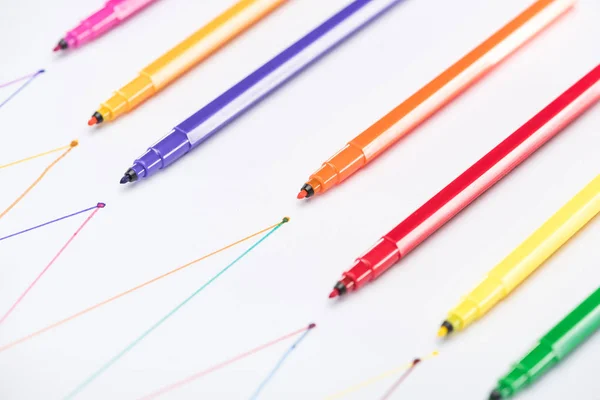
{"type": "Point", "coordinates": [285, 219]}
{"type": "Point", "coordinates": [312, 325]}
{"type": "Point", "coordinates": [101, 205]}
{"type": "Point", "coordinates": [74, 143]}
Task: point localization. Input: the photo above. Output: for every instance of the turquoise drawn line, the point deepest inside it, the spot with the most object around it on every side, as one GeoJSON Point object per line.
{"type": "Point", "coordinates": [280, 363]}
{"type": "Point", "coordinates": [49, 222]}
{"type": "Point", "coordinates": [29, 78]}
{"type": "Point", "coordinates": [130, 347]}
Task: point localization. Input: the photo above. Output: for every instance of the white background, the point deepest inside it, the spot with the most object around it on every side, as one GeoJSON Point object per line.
{"type": "Point", "coordinates": [247, 177]}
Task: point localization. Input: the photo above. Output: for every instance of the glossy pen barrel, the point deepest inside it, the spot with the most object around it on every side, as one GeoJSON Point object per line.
{"type": "Point", "coordinates": [252, 89]}
{"type": "Point", "coordinates": [187, 54]}
{"type": "Point", "coordinates": [565, 337]}
{"type": "Point", "coordinates": [112, 14]}
{"type": "Point", "coordinates": [526, 258]}
{"type": "Point", "coordinates": [473, 182]}
{"type": "Point", "coordinates": [436, 94]}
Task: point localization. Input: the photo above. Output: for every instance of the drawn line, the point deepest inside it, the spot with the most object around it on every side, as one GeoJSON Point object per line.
{"type": "Point", "coordinates": [20, 79]}
{"type": "Point", "coordinates": [16, 303]}
{"type": "Point", "coordinates": [50, 222]}
{"type": "Point", "coordinates": [130, 347]}
{"type": "Point", "coordinates": [223, 364]}
{"type": "Point", "coordinates": [31, 78]}
{"type": "Point", "coordinates": [280, 363]}
{"type": "Point", "coordinates": [39, 178]}
{"type": "Point", "coordinates": [401, 379]}
{"type": "Point", "coordinates": [113, 298]}
{"type": "Point", "coordinates": [371, 381]}
{"type": "Point", "coordinates": [36, 156]}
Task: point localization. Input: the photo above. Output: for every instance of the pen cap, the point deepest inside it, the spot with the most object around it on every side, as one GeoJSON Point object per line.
{"type": "Point", "coordinates": [162, 153]}
{"type": "Point", "coordinates": [374, 262]}
{"type": "Point", "coordinates": [128, 97]}
{"type": "Point", "coordinates": [339, 167]}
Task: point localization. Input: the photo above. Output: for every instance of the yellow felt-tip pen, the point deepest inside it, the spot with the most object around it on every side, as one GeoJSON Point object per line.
{"type": "Point", "coordinates": [525, 259]}
{"type": "Point", "coordinates": [181, 58]}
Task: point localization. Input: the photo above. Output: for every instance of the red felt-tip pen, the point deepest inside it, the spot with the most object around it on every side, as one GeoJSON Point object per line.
{"type": "Point", "coordinates": [471, 184]}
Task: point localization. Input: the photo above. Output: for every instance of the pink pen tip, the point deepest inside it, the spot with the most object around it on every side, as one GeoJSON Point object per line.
{"type": "Point", "coordinates": [334, 293]}
{"type": "Point", "coordinates": [56, 48]}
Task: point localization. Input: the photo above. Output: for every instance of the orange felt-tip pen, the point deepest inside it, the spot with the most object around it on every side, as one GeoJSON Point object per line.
{"type": "Point", "coordinates": [183, 57]}
{"type": "Point", "coordinates": [433, 96]}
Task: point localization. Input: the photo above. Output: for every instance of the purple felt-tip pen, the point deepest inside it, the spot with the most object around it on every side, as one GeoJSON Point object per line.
{"type": "Point", "coordinates": [242, 96]}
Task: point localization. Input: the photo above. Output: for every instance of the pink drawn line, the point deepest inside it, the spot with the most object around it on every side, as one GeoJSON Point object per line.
{"type": "Point", "coordinates": [221, 365]}
{"type": "Point", "coordinates": [21, 78]}
{"type": "Point", "coordinates": [10, 310]}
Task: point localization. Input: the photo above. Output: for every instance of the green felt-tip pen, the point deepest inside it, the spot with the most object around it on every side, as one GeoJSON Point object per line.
{"type": "Point", "coordinates": [552, 348]}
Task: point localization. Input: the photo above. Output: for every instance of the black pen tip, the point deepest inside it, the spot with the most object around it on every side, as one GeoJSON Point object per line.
{"type": "Point", "coordinates": [495, 395]}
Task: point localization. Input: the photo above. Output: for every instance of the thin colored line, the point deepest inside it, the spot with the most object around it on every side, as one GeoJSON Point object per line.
{"type": "Point", "coordinates": [50, 222]}
{"type": "Point", "coordinates": [223, 364]}
{"type": "Point", "coordinates": [113, 298]}
{"type": "Point", "coordinates": [16, 92]}
{"type": "Point", "coordinates": [280, 363]}
{"type": "Point", "coordinates": [10, 310]}
{"type": "Point", "coordinates": [39, 178]}
{"type": "Point", "coordinates": [20, 79]}
{"type": "Point", "coordinates": [401, 379]}
{"type": "Point", "coordinates": [130, 347]}
{"type": "Point", "coordinates": [36, 156]}
{"type": "Point", "coordinates": [371, 381]}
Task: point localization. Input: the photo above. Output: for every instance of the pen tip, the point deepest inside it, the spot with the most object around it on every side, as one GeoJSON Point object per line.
{"type": "Point", "coordinates": [443, 331]}
{"type": "Point", "coordinates": [302, 194]}
{"type": "Point", "coordinates": [125, 179]}
{"type": "Point", "coordinates": [62, 45]}
{"type": "Point", "coordinates": [334, 293]}
{"type": "Point", "coordinates": [495, 395]}
{"type": "Point", "coordinates": [92, 121]}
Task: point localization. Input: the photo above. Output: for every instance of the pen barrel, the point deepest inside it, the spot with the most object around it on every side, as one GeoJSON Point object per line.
{"type": "Point", "coordinates": [207, 40]}
{"type": "Point", "coordinates": [561, 340]}
{"type": "Point", "coordinates": [441, 90]}
{"type": "Point", "coordinates": [283, 67]}
{"type": "Point", "coordinates": [530, 255]}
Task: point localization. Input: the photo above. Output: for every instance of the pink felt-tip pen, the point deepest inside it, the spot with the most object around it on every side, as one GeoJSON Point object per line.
{"type": "Point", "coordinates": [112, 14]}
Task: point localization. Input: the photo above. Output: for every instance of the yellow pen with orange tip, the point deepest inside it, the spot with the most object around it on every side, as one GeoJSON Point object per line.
{"type": "Point", "coordinates": [181, 58]}
{"type": "Point", "coordinates": [525, 259]}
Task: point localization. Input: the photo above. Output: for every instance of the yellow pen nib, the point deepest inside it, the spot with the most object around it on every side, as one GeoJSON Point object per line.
{"type": "Point", "coordinates": [442, 332]}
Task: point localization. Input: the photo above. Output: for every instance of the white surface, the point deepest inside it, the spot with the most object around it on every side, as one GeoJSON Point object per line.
{"type": "Point", "coordinates": [223, 192]}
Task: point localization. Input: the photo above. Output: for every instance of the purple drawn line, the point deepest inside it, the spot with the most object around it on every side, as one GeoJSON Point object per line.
{"type": "Point", "coordinates": [99, 205]}
{"type": "Point", "coordinates": [31, 78]}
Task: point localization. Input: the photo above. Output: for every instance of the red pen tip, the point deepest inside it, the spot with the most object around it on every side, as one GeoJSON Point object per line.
{"type": "Point", "coordinates": [92, 121]}
{"type": "Point", "coordinates": [56, 48]}
{"type": "Point", "coordinates": [302, 194]}
{"type": "Point", "coordinates": [334, 293]}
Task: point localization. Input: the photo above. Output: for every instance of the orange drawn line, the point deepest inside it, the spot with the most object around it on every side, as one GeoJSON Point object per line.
{"type": "Point", "coordinates": [39, 178]}
{"type": "Point", "coordinates": [113, 298]}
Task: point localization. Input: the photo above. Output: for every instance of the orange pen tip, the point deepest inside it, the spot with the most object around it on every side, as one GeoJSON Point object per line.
{"type": "Point", "coordinates": [92, 121]}
{"type": "Point", "coordinates": [334, 293]}
{"type": "Point", "coordinates": [302, 194]}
